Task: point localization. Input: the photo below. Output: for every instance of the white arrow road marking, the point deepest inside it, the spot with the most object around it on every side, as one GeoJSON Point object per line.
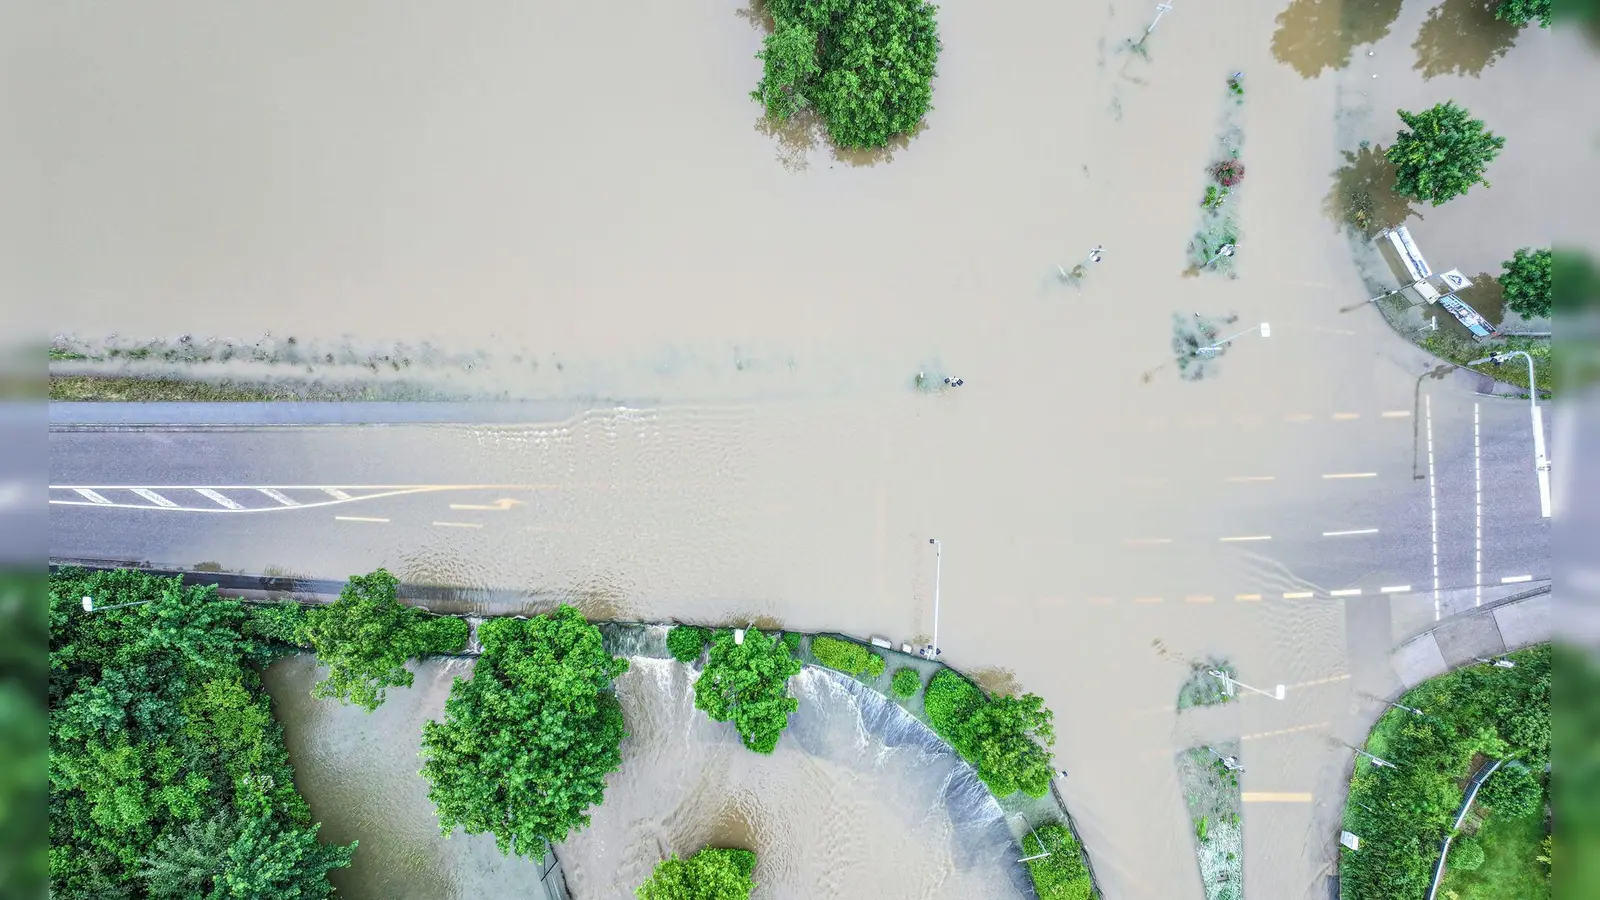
{"type": "Point", "coordinates": [221, 500]}
{"type": "Point", "coordinates": [155, 498]}
{"type": "Point", "coordinates": [278, 496]}
{"type": "Point", "coordinates": [91, 496]}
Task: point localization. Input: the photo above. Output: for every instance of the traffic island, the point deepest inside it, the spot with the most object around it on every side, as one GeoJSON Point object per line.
{"type": "Point", "coordinates": [1216, 238]}
{"type": "Point", "coordinates": [1209, 777]}
{"type": "Point", "coordinates": [1203, 688]}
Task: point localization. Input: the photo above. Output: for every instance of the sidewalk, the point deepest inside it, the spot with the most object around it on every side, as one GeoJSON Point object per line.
{"type": "Point", "coordinates": [1517, 622]}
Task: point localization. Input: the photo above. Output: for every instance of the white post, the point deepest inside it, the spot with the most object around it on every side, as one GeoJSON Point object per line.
{"type": "Point", "coordinates": [933, 652]}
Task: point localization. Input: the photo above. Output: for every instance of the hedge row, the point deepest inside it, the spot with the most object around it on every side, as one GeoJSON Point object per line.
{"type": "Point", "coordinates": [1062, 875]}
{"type": "Point", "coordinates": [846, 656]}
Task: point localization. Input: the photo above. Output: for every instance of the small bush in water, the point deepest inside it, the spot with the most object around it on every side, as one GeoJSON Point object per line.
{"type": "Point", "coordinates": [685, 642]}
{"type": "Point", "coordinates": [906, 682]}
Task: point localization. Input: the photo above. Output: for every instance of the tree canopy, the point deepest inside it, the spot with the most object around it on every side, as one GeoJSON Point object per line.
{"type": "Point", "coordinates": [711, 874]}
{"type": "Point", "coordinates": [865, 66]}
{"type": "Point", "coordinates": [1521, 12]}
{"type": "Point", "coordinates": [748, 684]}
{"type": "Point", "coordinates": [366, 636]}
{"type": "Point", "coordinates": [168, 774]}
{"type": "Point", "coordinates": [1006, 739]}
{"type": "Point", "coordinates": [1443, 155]}
{"type": "Point", "coordinates": [527, 741]}
{"type": "Point", "coordinates": [1526, 280]}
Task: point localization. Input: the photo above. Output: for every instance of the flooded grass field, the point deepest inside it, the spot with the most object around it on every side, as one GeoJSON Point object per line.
{"type": "Point", "coordinates": [556, 200]}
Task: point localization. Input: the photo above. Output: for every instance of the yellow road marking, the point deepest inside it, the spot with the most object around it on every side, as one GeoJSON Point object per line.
{"type": "Point", "coordinates": [1248, 537]}
{"type": "Point", "coordinates": [458, 524]}
{"type": "Point", "coordinates": [1200, 598]}
{"type": "Point", "coordinates": [1396, 413]}
{"type": "Point", "coordinates": [1244, 597]}
{"type": "Point", "coordinates": [502, 504]}
{"type": "Point", "coordinates": [1147, 599]}
{"type": "Point", "coordinates": [1344, 417]}
{"type": "Point", "coordinates": [1274, 797]}
{"type": "Point", "coordinates": [1299, 417]}
{"type": "Point", "coordinates": [1298, 595]}
{"type": "Point", "coordinates": [1237, 478]}
{"type": "Point", "coordinates": [1102, 601]}
{"type": "Point", "coordinates": [1283, 731]}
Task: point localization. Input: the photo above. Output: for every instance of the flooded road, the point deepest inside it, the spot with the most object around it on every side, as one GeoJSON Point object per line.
{"type": "Point", "coordinates": [578, 202]}
{"type": "Point", "coordinates": [854, 782]}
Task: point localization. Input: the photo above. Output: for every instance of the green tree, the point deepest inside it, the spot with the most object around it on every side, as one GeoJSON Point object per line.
{"type": "Point", "coordinates": [789, 69]}
{"type": "Point", "coordinates": [366, 636]}
{"type": "Point", "coordinates": [256, 859]}
{"type": "Point", "coordinates": [1521, 12]}
{"type": "Point", "coordinates": [1466, 854]}
{"type": "Point", "coordinates": [748, 684]}
{"type": "Point", "coordinates": [1526, 280]}
{"type": "Point", "coordinates": [1443, 155]}
{"type": "Point", "coordinates": [685, 642]}
{"type": "Point", "coordinates": [1007, 740]}
{"type": "Point", "coordinates": [865, 66]}
{"type": "Point", "coordinates": [906, 682]}
{"type": "Point", "coordinates": [527, 741]}
{"type": "Point", "coordinates": [711, 874]}
{"type": "Point", "coordinates": [1513, 791]}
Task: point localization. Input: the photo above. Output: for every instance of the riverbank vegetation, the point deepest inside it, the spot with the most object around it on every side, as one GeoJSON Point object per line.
{"type": "Point", "coordinates": [712, 874]}
{"type": "Point", "coordinates": [1444, 153]}
{"type": "Point", "coordinates": [747, 683]}
{"type": "Point", "coordinates": [366, 636]}
{"type": "Point", "coordinates": [168, 773]}
{"type": "Point", "coordinates": [906, 682]}
{"type": "Point", "coordinates": [1062, 875]}
{"type": "Point", "coordinates": [1473, 715]}
{"type": "Point", "coordinates": [848, 657]}
{"type": "Point", "coordinates": [527, 742]}
{"type": "Point", "coordinates": [687, 642]}
{"type": "Point", "coordinates": [865, 67]}
{"type": "Point", "coordinates": [1007, 739]}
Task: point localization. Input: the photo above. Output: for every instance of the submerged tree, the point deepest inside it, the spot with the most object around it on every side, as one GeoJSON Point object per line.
{"type": "Point", "coordinates": [1526, 280]}
{"type": "Point", "coordinates": [1443, 155]}
{"type": "Point", "coordinates": [1521, 12]}
{"type": "Point", "coordinates": [711, 874]}
{"type": "Point", "coordinates": [366, 636]}
{"type": "Point", "coordinates": [865, 66]}
{"type": "Point", "coordinates": [527, 741]}
{"type": "Point", "coordinates": [748, 684]}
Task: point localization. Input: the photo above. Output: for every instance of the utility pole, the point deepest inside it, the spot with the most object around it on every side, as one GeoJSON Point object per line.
{"type": "Point", "coordinates": [932, 650]}
{"type": "Point", "coordinates": [1541, 465]}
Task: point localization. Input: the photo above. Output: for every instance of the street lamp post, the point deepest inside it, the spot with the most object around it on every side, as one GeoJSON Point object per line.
{"type": "Point", "coordinates": [1541, 465]}
{"type": "Point", "coordinates": [1229, 683]}
{"type": "Point", "coordinates": [932, 650]}
{"type": "Point", "coordinates": [1224, 250]}
{"type": "Point", "coordinates": [1264, 329]}
{"type": "Point", "coordinates": [1161, 10]}
{"type": "Point", "coordinates": [1410, 709]}
{"type": "Point", "coordinates": [89, 607]}
{"type": "Point", "coordinates": [1375, 760]}
{"type": "Point", "coordinates": [1497, 663]}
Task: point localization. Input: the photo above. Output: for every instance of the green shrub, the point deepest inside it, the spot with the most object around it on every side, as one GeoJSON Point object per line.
{"type": "Point", "coordinates": [1005, 738]}
{"type": "Point", "coordinates": [711, 874]}
{"type": "Point", "coordinates": [1466, 854]}
{"type": "Point", "coordinates": [1062, 875]}
{"type": "Point", "coordinates": [1512, 791]}
{"type": "Point", "coordinates": [748, 684]}
{"type": "Point", "coordinates": [1201, 827]}
{"type": "Point", "coordinates": [846, 656]}
{"type": "Point", "coordinates": [865, 66]}
{"type": "Point", "coordinates": [685, 642]}
{"type": "Point", "coordinates": [1443, 155]}
{"type": "Point", "coordinates": [906, 682]}
{"type": "Point", "coordinates": [1526, 280]}
{"type": "Point", "coordinates": [281, 624]}
{"type": "Point", "coordinates": [791, 639]}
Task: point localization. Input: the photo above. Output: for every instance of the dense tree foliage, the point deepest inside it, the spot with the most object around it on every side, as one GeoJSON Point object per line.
{"type": "Point", "coordinates": [24, 733]}
{"type": "Point", "coordinates": [846, 656]}
{"type": "Point", "coordinates": [907, 681]}
{"type": "Point", "coordinates": [1521, 12]}
{"type": "Point", "coordinates": [748, 684]}
{"type": "Point", "coordinates": [168, 774]}
{"type": "Point", "coordinates": [1526, 280]}
{"type": "Point", "coordinates": [1466, 854]}
{"type": "Point", "coordinates": [1401, 815]}
{"type": "Point", "coordinates": [1006, 739]}
{"type": "Point", "coordinates": [527, 741]}
{"type": "Point", "coordinates": [711, 874]}
{"type": "Point", "coordinates": [685, 642]}
{"type": "Point", "coordinates": [1062, 875]}
{"type": "Point", "coordinates": [865, 66]}
{"type": "Point", "coordinates": [366, 636]}
{"type": "Point", "coordinates": [1513, 790]}
{"type": "Point", "coordinates": [1443, 155]}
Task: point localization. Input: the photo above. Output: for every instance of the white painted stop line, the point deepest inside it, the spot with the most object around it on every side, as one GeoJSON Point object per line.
{"type": "Point", "coordinates": [278, 497]}
{"type": "Point", "coordinates": [155, 498]}
{"type": "Point", "coordinates": [217, 498]}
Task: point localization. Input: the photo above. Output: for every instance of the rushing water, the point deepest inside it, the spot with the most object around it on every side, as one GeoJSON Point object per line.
{"type": "Point", "coordinates": [855, 782]}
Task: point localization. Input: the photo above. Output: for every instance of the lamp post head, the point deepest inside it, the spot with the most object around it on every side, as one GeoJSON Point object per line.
{"type": "Point", "coordinates": [1266, 330]}
{"type": "Point", "coordinates": [88, 604]}
{"type": "Point", "coordinates": [1278, 694]}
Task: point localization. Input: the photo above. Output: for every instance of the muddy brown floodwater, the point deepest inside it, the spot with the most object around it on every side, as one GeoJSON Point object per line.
{"type": "Point", "coordinates": [854, 783]}
{"type": "Point", "coordinates": [579, 197]}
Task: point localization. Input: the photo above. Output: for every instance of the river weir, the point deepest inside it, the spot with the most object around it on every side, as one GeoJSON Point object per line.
{"type": "Point", "coordinates": [855, 781]}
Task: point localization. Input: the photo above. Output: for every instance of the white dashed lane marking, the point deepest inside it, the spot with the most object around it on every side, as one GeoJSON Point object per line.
{"type": "Point", "coordinates": [1516, 579]}
{"type": "Point", "coordinates": [1350, 532]}
{"type": "Point", "coordinates": [217, 498]}
{"type": "Point", "coordinates": [155, 498]}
